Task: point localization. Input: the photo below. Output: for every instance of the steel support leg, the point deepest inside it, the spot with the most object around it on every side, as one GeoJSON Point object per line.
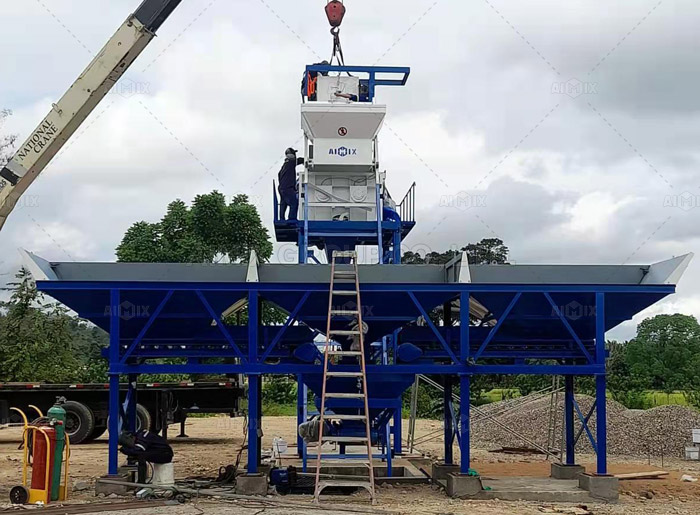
{"type": "Point", "coordinates": [449, 430]}
{"type": "Point", "coordinates": [600, 383]}
{"type": "Point", "coordinates": [398, 433]}
{"type": "Point", "coordinates": [254, 427]}
{"type": "Point", "coordinates": [569, 420]}
{"type": "Point", "coordinates": [114, 408]}
{"type": "Point", "coordinates": [302, 415]}
{"type": "Point", "coordinates": [464, 443]}
{"type": "Point", "coordinates": [113, 423]}
{"type": "Point", "coordinates": [601, 425]}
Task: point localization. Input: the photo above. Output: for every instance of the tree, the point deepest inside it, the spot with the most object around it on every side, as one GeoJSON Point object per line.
{"type": "Point", "coordinates": [665, 354]}
{"type": "Point", "coordinates": [210, 231]}
{"type": "Point", "coordinates": [35, 337]}
{"type": "Point", "coordinates": [487, 251]}
{"type": "Point", "coordinates": [7, 141]}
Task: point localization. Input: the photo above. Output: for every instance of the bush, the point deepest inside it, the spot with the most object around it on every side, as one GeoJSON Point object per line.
{"type": "Point", "coordinates": [279, 390]}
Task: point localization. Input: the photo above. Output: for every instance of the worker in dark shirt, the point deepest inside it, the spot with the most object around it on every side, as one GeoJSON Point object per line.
{"type": "Point", "coordinates": [288, 189]}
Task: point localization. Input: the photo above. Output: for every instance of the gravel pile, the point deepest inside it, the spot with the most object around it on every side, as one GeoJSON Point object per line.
{"type": "Point", "coordinates": [663, 430]}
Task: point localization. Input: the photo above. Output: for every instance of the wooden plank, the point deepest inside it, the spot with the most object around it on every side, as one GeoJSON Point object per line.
{"type": "Point", "coordinates": [656, 474]}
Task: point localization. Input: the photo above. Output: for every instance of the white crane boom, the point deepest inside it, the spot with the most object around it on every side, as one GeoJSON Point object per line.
{"type": "Point", "coordinates": [80, 100]}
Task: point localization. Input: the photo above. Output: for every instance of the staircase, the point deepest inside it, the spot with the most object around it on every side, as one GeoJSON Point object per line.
{"type": "Point", "coordinates": [330, 354]}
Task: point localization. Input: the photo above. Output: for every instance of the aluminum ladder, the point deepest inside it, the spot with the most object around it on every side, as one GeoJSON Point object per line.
{"type": "Point", "coordinates": [355, 314]}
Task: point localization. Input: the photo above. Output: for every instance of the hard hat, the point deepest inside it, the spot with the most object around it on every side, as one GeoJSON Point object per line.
{"type": "Point", "coordinates": [290, 150]}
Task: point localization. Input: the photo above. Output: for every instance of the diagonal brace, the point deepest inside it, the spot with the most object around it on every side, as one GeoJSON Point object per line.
{"type": "Point", "coordinates": [220, 325]}
{"type": "Point", "coordinates": [584, 425]}
{"type": "Point", "coordinates": [433, 328]}
{"type": "Point", "coordinates": [568, 327]}
{"type": "Point", "coordinates": [146, 327]}
{"type": "Point", "coordinates": [495, 328]}
{"type": "Point", "coordinates": [286, 325]}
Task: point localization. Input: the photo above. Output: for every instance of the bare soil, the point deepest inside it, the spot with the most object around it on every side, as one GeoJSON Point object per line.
{"type": "Point", "coordinates": [215, 442]}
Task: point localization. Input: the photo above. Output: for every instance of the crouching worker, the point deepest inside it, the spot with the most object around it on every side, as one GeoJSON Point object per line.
{"type": "Point", "coordinates": [146, 447]}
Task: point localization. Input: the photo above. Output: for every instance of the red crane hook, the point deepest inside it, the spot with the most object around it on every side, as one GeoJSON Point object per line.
{"type": "Point", "coordinates": [335, 10]}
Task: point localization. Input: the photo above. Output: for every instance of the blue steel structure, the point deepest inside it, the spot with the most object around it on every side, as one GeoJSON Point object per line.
{"type": "Point", "coordinates": [501, 319]}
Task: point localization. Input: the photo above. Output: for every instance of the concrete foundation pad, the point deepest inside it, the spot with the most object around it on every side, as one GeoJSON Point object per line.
{"type": "Point", "coordinates": [440, 471]}
{"type": "Point", "coordinates": [109, 489]}
{"type": "Point", "coordinates": [606, 488]}
{"type": "Point", "coordinates": [463, 486]}
{"type": "Point", "coordinates": [562, 471]}
{"type": "Point", "coordinates": [251, 484]}
{"type": "Point", "coordinates": [533, 489]}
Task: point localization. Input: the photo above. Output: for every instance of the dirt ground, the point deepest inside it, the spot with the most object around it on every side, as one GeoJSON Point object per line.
{"type": "Point", "coordinates": [215, 442]}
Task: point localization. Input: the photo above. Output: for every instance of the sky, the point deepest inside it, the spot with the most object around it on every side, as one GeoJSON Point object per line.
{"type": "Point", "coordinates": [567, 129]}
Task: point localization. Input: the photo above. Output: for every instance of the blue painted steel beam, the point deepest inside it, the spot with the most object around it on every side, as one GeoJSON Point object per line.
{"type": "Point", "coordinates": [147, 326]}
{"type": "Point", "coordinates": [495, 328]}
{"type": "Point", "coordinates": [600, 382]}
{"type": "Point", "coordinates": [220, 324]}
{"type": "Point", "coordinates": [283, 330]}
{"type": "Point", "coordinates": [464, 418]}
{"type": "Point", "coordinates": [569, 328]}
{"type": "Point", "coordinates": [254, 422]}
{"type": "Point", "coordinates": [584, 425]}
{"type": "Point", "coordinates": [408, 369]}
{"type": "Point", "coordinates": [48, 286]}
{"type": "Point", "coordinates": [430, 323]}
{"type": "Point", "coordinates": [569, 420]}
{"type": "Point", "coordinates": [449, 434]}
{"type": "Point", "coordinates": [114, 304]}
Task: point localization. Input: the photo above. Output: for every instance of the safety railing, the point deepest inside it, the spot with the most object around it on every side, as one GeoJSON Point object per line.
{"type": "Point", "coordinates": [407, 207]}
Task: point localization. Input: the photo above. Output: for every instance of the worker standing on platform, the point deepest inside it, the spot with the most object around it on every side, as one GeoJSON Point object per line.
{"type": "Point", "coordinates": [288, 187]}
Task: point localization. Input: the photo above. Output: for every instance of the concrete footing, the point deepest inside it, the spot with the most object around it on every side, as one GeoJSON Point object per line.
{"type": "Point", "coordinates": [606, 488]}
{"type": "Point", "coordinates": [109, 489]}
{"type": "Point", "coordinates": [562, 471]}
{"type": "Point", "coordinates": [440, 471]}
{"type": "Point", "coordinates": [463, 486]}
{"type": "Point", "coordinates": [251, 484]}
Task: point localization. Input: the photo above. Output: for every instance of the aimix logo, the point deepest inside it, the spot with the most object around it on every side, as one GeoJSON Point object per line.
{"type": "Point", "coordinates": [342, 151]}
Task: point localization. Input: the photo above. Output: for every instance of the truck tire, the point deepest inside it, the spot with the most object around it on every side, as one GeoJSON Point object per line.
{"type": "Point", "coordinates": [97, 432]}
{"type": "Point", "coordinates": [145, 421]}
{"type": "Point", "coordinates": [80, 422]}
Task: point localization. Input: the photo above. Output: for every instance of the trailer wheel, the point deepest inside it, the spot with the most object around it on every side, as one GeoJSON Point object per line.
{"type": "Point", "coordinates": [80, 421]}
{"type": "Point", "coordinates": [98, 431]}
{"type": "Point", "coordinates": [143, 417]}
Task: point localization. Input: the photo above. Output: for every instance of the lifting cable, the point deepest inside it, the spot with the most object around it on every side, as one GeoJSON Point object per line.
{"type": "Point", "coordinates": [335, 11]}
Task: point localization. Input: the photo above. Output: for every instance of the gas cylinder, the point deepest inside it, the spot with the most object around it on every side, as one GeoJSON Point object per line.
{"type": "Point", "coordinates": [335, 10]}
{"type": "Point", "coordinates": [58, 414]}
{"type": "Point", "coordinates": [41, 455]}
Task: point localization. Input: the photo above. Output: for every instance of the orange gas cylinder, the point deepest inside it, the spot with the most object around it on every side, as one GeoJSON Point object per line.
{"type": "Point", "coordinates": [41, 454]}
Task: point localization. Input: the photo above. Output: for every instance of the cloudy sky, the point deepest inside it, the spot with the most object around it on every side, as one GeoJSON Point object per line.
{"type": "Point", "coordinates": [569, 129]}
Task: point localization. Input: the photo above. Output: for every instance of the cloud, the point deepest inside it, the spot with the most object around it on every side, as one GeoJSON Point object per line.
{"type": "Point", "coordinates": [496, 147]}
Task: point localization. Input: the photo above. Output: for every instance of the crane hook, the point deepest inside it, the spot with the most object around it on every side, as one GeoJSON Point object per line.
{"type": "Point", "coordinates": [335, 11]}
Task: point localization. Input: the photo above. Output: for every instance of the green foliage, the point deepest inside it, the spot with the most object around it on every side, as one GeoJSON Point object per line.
{"type": "Point", "coordinates": [279, 390]}
{"type": "Point", "coordinates": [35, 337]}
{"type": "Point", "coordinates": [7, 141]}
{"type": "Point", "coordinates": [487, 251]}
{"type": "Point", "coordinates": [209, 231]}
{"type": "Point", "coordinates": [665, 355]}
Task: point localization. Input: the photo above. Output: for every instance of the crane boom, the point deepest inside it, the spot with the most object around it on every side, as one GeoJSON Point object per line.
{"type": "Point", "coordinates": [80, 100]}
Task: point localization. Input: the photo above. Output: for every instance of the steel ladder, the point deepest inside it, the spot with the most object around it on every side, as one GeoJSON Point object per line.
{"type": "Point", "coordinates": [360, 373]}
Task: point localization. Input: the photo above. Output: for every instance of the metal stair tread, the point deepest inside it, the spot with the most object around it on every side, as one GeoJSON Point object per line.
{"type": "Point", "coordinates": [344, 332]}
{"type": "Point", "coordinates": [344, 395]}
{"type": "Point", "coordinates": [344, 292]}
{"type": "Point", "coordinates": [345, 417]}
{"type": "Point", "coordinates": [344, 312]}
{"type": "Point", "coordinates": [344, 374]}
{"type": "Point", "coordinates": [344, 353]}
{"type": "Point", "coordinates": [345, 439]}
